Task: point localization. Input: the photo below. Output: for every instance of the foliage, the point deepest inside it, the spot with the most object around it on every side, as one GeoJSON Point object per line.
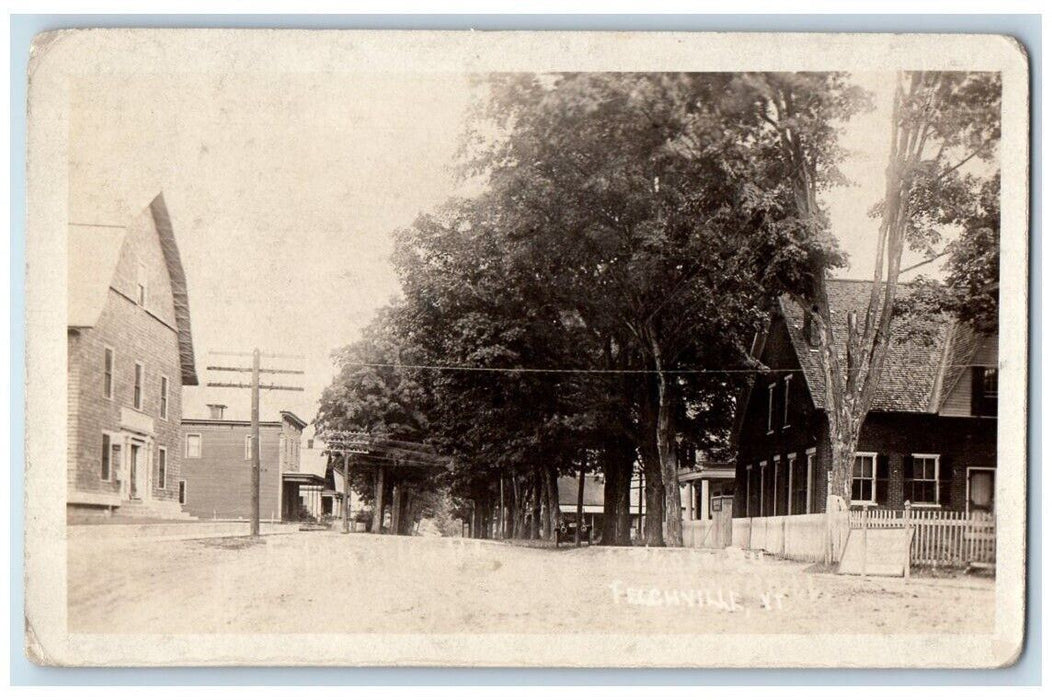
{"type": "Point", "coordinates": [941, 122]}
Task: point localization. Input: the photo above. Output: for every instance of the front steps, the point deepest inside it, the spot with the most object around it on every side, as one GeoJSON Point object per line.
{"type": "Point", "coordinates": [129, 511]}
{"type": "Point", "coordinates": [155, 510]}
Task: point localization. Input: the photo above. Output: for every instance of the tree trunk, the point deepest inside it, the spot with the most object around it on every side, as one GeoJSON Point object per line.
{"type": "Point", "coordinates": [555, 515]}
{"type": "Point", "coordinates": [535, 495]}
{"type": "Point", "coordinates": [580, 505]}
{"type": "Point", "coordinates": [515, 531]}
{"type": "Point", "coordinates": [669, 464]}
{"type": "Point", "coordinates": [545, 506]}
{"type": "Point", "coordinates": [503, 509]}
{"type": "Point", "coordinates": [653, 486]}
{"type": "Point", "coordinates": [618, 459]}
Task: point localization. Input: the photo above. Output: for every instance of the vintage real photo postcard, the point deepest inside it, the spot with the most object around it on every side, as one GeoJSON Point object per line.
{"type": "Point", "coordinates": [526, 349]}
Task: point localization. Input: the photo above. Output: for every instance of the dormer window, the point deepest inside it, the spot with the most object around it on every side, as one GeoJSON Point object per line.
{"type": "Point", "coordinates": [984, 391]}
{"type": "Point", "coordinates": [989, 382]}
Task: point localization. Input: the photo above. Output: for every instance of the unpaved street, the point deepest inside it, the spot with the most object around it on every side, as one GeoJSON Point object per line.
{"type": "Point", "coordinates": [314, 582]}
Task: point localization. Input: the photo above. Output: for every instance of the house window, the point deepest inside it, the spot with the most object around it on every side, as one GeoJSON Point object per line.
{"type": "Point", "coordinates": [107, 472]}
{"type": "Point", "coordinates": [785, 402]}
{"type": "Point", "coordinates": [182, 492]}
{"type": "Point", "coordinates": [989, 382]}
{"type": "Point", "coordinates": [193, 445]}
{"type": "Point", "coordinates": [984, 391]}
{"type": "Point", "coordinates": [864, 478]}
{"type": "Point", "coordinates": [248, 447]}
{"type": "Point", "coordinates": [162, 467]}
{"type": "Point", "coordinates": [140, 286]}
{"type": "Point", "coordinates": [979, 493]}
{"type": "Point", "coordinates": [924, 485]}
{"type": "Point", "coordinates": [107, 373]}
{"type": "Point", "coordinates": [137, 392]}
{"type": "Point", "coordinates": [770, 408]}
{"type": "Point", "coordinates": [164, 398]}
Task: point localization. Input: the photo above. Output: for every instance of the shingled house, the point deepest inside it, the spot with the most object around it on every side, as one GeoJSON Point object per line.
{"type": "Point", "coordinates": [930, 437]}
{"type": "Point", "coordinates": [130, 352]}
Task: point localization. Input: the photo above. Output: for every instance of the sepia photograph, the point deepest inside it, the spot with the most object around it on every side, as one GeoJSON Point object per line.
{"type": "Point", "coordinates": [526, 349]}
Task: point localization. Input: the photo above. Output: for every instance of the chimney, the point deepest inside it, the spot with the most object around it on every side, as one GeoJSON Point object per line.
{"type": "Point", "coordinates": [215, 411]}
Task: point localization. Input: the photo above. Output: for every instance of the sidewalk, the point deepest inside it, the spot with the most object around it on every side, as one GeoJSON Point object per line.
{"type": "Point", "coordinates": [173, 530]}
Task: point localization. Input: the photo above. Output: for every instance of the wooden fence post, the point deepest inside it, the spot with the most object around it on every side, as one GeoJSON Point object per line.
{"type": "Point", "coordinates": [909, 538]}
{"type": "Point", "coordinates": [865, 537]}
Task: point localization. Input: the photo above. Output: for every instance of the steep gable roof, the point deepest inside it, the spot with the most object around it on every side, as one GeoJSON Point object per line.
{"type": "Point", "coordinates": [179, 296]}
{"type": "Point", "coordinates": [913, 373]}
{"type": "Point", "coordinates": [93, 254]}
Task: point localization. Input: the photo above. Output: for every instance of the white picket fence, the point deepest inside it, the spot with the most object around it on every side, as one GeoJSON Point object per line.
{"type": "Point", "coordinates": [940, 538]}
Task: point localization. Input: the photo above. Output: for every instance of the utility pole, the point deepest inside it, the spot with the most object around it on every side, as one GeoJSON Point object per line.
{"type": "Point", "coordinates": [255, 386]}
{"type": "Point", "coordinates": [255, 442]}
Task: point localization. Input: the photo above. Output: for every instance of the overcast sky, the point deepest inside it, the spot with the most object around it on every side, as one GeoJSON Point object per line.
{"type": "Point", "coordinates": [284, 190]}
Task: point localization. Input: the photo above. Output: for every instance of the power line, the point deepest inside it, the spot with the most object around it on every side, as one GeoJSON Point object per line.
{"type": "Point", "coordinates": [566, 370]}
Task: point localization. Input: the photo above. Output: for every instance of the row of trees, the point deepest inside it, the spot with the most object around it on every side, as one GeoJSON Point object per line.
{"type": "Point", "coordinates": [591, 308]}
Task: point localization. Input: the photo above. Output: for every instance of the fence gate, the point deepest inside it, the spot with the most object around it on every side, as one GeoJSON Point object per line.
{"type": "Point", "coordinates": [939, 538]}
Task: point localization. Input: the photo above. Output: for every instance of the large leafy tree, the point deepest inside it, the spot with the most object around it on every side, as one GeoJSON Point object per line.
{"type": "Point", "coordinates": [941, 122]}
{"type": "Point", "coordinates": [474, 312]}
{"type": "Point", "coordinates": [663, 212]}
{"type": "Point", "coordinates": [373, 393]}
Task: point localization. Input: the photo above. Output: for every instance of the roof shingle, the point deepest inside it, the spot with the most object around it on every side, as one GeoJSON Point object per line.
{"type": "Point", "coordinates": [911, 373]}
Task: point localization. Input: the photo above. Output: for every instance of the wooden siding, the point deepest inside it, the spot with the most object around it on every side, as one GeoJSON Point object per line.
{"type": "Point", "coordinates": [218, 484]}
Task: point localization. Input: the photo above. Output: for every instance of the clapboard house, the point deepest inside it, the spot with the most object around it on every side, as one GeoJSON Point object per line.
{"type": "Point", "coordinates": [930, 437]}
{"type": "Point", "coordinates": [217, 467]}
{"type": "Point", "coordinates": [130, 352]}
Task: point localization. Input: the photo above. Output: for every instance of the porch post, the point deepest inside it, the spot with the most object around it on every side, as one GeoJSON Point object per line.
{"type": "Point", "coordinates": [378, 501]}
{"type": "Point", "coordinates": [346, 491]}
{"type": "Point", "coordinates": [396, 508]}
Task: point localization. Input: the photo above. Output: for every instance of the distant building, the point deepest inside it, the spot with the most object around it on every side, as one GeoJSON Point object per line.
{"type": "Point", "coordinates": [930, 437]}
{"type": "Point", "coordinates": [592, 510]}
{"type": "Point", "coordinates": [592, 502]}
{"type": "Point", "coordinates": [217, 467]}
{"type": "Point", "coordinates": [130, 352]}
{"type": "Point", "coordinates": [322, 495]}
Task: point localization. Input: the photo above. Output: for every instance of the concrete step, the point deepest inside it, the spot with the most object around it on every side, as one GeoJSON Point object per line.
{"type": "Point", "coordinates": [163, 510]}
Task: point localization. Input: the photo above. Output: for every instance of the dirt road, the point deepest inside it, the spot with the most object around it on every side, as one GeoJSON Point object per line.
{"type": "Point", "coordinates": [314, 582]}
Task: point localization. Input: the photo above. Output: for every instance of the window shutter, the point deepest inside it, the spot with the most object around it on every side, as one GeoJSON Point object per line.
{"type": "Point", "coordinates": [945, 480]}
{"type": "Point", "coordinates": [881, 496]}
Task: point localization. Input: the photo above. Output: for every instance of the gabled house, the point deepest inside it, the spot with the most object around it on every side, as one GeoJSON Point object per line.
{"type": "Point", "coordinates": [930, 437]}
{"type": "Point", "coordinates": [130, 352]}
